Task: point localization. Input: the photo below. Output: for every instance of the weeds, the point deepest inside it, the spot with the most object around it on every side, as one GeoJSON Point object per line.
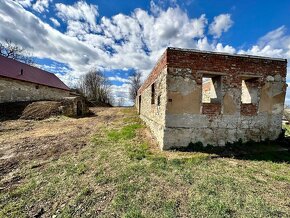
{"type": "Point", "coordinates": [137, 152]}
{"type": "Point", "coordinates": [119, 175]}
{"type": "Point", "coordinates": [126, 133]}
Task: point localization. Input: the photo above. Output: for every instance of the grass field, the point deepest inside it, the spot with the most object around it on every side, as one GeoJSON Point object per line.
{"type": "Point", "coordinates": [120, 172]}
{"type": "Point", "coordinates": [287, 130]}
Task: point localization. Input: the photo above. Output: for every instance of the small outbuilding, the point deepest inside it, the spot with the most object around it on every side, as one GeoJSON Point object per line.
{"type": "Point", "coordinates": [74, 106]}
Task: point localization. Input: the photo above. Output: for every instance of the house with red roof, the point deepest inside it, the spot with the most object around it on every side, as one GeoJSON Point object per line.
{"type": "Point", "coordinates": [20, 82]}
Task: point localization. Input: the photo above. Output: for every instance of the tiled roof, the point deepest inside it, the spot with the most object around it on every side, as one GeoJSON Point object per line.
{"type": "Point", "coordinates": [13, 69]}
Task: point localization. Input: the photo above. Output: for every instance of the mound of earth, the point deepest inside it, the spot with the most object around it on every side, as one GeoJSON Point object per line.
{"type": "Point", "coordinates": [41, 110]}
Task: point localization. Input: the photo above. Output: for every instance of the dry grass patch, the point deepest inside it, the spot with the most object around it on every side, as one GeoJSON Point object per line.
{"type": "Point", "coordinates": [120, 172]}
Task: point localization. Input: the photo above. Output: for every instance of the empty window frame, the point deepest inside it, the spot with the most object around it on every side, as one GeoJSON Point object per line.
{"type": "Point", "coordinates": [158, 100]}
{"type": "Point", "coordinates": [153, 93]}
{"type": "Point", "coordinates": [249, 91]}
{"type": "Point", "coordinates": [139, 104]}
{"type": "Point", "coordinates": [211, 89]}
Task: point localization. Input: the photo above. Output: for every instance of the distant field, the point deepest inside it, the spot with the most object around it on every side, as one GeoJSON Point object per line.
{"type": "Point", "coordinates": [109, 166]}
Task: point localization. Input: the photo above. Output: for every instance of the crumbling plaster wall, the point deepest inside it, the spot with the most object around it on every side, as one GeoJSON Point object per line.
{"type": "Point", "coordinates": [183, 118]}
{"type": "Point", "coordinates": [186, 123]}
{"type": "Point", "coordinates": [153, 114]}
{"type": "Point", "coordinates": [189, 120]}
{"type": "Point", "coordinates": [16, 91]}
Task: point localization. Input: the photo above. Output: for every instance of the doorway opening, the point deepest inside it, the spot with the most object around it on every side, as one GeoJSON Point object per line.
{"type": "Point", "coordinates": [139, 104]}
{"type": "Point", "coordinates": [79, 108]}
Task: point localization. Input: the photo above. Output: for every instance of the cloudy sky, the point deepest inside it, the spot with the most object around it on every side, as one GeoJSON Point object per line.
{"type": "Point", "coordinates": [118, 36]}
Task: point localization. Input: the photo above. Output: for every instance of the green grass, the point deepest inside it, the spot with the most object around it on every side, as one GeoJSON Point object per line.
{"type": "Point", "coordinates": [118, 175]}
{"type": "Point", "coordinates": [287, 130]}
{"type": "Point", "coordinates": [126, 133]}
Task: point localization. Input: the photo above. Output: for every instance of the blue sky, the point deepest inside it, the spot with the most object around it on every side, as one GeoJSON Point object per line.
{"type": "Point", "coordinates": [71, 37]}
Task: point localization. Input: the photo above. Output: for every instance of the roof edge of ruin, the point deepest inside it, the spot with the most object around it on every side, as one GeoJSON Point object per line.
{"type": "Point", "coordinates": [227, 54]}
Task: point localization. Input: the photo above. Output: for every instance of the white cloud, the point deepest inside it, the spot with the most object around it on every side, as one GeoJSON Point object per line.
{"type": "Point", "coordinates": [41, 5]}
{"type": "Point", "coordinates": [80, 12]}
{"type": "Point", "coordinates": [25, 3]}
{"type": "Point", "coordinates": [226, 49]}
{"type": "Point", "coordinates": [204, 44]}
{"type": "Point", "coordinates": [121, 92]}
{"type": "Point", "coordinates": [220, 24]}
{"type": "Point", "coordinates": [118, 79]}
{"type": "Point", "coordinates": [54, 68]}
{"type": "Point", "coordinates": [122, 41]}
{"type": "Point", "coordinates": [275, 38]}
{"type": "Point", "coordinates": [275, 43]}
{"type": "Point", "coordinates": [267, 51]}
{"type": "Point", "coordinates": [55, 22]}
{"type": "Point", "coordinates": [38, 5]}
{"type": "Point", "coordinates": [43, 40]}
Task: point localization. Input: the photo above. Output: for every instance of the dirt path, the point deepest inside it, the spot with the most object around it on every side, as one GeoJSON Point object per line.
{"type": "Point", "coordinates": [28, 140]}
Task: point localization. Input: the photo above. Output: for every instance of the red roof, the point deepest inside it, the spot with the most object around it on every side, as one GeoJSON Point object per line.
{"type": "Point", "coordinates": [12, 69]}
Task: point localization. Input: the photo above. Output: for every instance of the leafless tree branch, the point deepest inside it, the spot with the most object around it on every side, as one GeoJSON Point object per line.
{"type": "Point", "coordinates": [14, 51]}
{"type": "Point", "coordinates": [135, 84]}
{"type": "Point", "coordinates": [95, 86]}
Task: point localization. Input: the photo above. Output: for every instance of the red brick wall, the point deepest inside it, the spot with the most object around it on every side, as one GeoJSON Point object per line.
{"type": "Point", "coordinates": [249, 109]}
{"type": "Point", "coordinates": [232, 65]}
{"type": "Point", "coordinates": [155, 72]}
{"type": "Point", "coordinates": [211, 109]}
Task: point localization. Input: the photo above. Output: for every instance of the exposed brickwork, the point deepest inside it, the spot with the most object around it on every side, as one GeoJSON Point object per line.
{"type": "Point", "coordinates": [161, 64]}
{"type": "Point", "coordinates": [249, 109]}
{"type": "Point", "coordinates": [211, 109]}
{"type": "Point", "coordinates": [246, 98]}
{"type": "Point", "coordinates": [230, 64]}
{"type": "Point", "coordinates": [233, 66]}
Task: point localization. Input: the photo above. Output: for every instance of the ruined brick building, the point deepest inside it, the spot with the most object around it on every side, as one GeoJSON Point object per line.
{"type": "Point", "coordinates": [213, 98]}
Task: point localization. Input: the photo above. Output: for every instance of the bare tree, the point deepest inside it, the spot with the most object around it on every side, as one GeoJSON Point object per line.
{"type": "Point", "coordinates": [95, 86]}
{"type": "Point", "coordinates": [135, 84]}
{"type": "Point", "coordinates": [14, 51]}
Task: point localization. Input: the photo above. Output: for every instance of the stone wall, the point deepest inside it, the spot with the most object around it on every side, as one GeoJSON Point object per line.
{"type": "Point", "coordinates": [153, 113]}
{"type": "Point", "coordinates": [16, 91]}
{"type": "Point", "coordinates": [252, 113]}
{"type": "Point", "coordinates": [74, 106]}
{"type": "Point", "coordinates": [228, 120]}
{"type": "Point", "coordinates": [189, 120]}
